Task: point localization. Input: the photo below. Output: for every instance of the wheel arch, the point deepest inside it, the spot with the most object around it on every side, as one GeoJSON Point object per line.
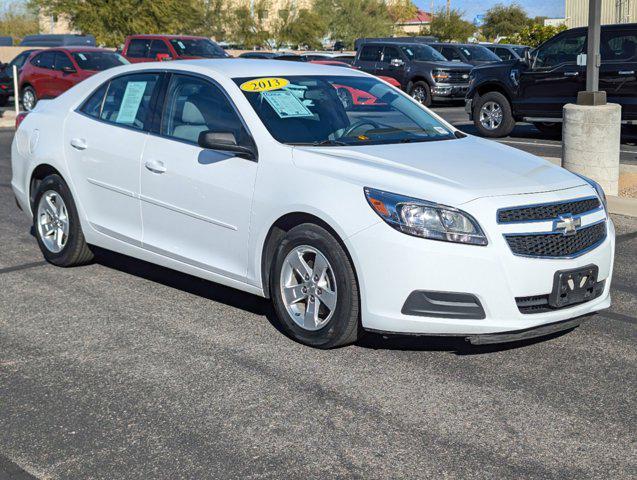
{"type": "Point", "coordinates": [494, 87]}
{"type": "Point", "coordinates": [38, 174]}
{"type": "Point", "coordinates": [278, 230]}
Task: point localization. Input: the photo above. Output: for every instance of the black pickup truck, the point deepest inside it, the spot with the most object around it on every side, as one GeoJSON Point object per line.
{"type": "Point", "coordinates": [422, 72]}
{"type": "Point", "coordinates": [536, 88]}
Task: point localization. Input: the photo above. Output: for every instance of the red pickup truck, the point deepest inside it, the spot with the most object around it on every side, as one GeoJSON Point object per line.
{"type": "Point", "coordinates": [152, 48]}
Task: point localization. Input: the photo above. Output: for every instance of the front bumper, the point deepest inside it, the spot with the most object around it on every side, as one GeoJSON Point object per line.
{"type": "Point", "coordinates": [449, 90]}
{"type": "Point", "coordinates": [392, 265]}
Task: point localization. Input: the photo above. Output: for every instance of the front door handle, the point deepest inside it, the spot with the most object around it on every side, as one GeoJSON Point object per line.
{"type": "Point", "coordinates": [155, 166]}
{"type": "Point", "coordinates": [79, 143]}
{"type": "Point", "coordinates": [571, 74]}
{"type": "Point", "coordinates": [626, 72]}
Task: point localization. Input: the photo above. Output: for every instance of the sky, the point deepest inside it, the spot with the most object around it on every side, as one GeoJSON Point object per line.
{"type": "Point", "coordinates": [534, 8]}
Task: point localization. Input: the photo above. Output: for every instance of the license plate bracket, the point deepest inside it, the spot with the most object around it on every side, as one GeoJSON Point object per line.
{"type": "Point", "coordinates": [573, 286]}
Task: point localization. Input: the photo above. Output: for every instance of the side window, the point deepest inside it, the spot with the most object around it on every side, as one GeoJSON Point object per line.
{"type": "Point", "coordinates": [158, 46]}
{"type": "Point", "coordinates": [44, 60]}
{"type": "Point", "coordinates": [370, 53]}
{"type": "Point", "coordinates": [562, 50]}
{"type": "Point", "coordinates": [194, 105]}
{"type": "Point", "coordinates": [619, 46]}
{"type": "Point", "coordinates": [451, 54]}
{"type": "Point", "coordinates": [93, 105]}
{"type": "Point", "coordinates": [503, 53]}
{"type": "Point", "coordinates": [62, 61]}
{"type": "Point", "coordinates": [138, 48]}
{"type": "Point", "coordinates": [127, 100]}
{"type": "Point", "coordinates": [391, 53]}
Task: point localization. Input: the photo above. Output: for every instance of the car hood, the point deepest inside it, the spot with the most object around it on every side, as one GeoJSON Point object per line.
{"type": "Point", "coordinates": [446, 65]}
{"type": "Point", "coordinates": [450, 171]}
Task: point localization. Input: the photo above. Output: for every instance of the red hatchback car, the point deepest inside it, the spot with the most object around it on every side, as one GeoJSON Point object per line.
{"type": "Point", "coordinates": [152, 48]}
{"type": "Point", "coordinates": [49, 73]}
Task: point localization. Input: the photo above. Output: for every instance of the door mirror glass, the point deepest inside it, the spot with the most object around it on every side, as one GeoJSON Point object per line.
{"type": "Point", "coordinates": [396, 62]}
{"type": "Point", "coordinates": [225, 142]}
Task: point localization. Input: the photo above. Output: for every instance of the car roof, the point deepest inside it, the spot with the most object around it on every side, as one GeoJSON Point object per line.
{"type": "Point", "coordinates": [451, 44]}
{"type": "Point", "coordinates": [160, 35]}
{"type": "Point", "coordinates": [74, 49]}
{"type": "Point", "coordinates": [248, 67]}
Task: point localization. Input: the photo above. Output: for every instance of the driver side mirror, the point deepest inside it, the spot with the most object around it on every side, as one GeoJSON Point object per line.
{"type": "Point", "coordinates": [396, 62]}
{"type": "Point", "coordinates": [225, 142]}
{"type": "Point", "coordinates": [69, 69]}
{"type": "Point", "coordinates": [163, 57]}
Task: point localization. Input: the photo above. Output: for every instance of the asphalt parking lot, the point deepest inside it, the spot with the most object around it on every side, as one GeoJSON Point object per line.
{"type": "Point", "coordinates": [122, 369]}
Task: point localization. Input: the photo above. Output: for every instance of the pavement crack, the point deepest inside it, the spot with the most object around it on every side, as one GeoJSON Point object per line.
{"type": "Point", "coordinates": [24, 266]}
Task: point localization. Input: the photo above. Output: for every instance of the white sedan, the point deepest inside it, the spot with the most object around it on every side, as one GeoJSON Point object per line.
{"type": "Point", "coordinates": [372, 214]}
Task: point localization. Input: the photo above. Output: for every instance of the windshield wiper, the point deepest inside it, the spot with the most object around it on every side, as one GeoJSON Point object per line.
{"type": "Point", "coordinates": [328, 142]}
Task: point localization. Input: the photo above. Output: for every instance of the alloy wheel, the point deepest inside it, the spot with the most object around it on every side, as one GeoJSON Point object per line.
{"type": "Point", "coordinates": [53, 221]}
{"type": "Point", "coordinates": [308, 287]}
{"type": "Point", "coordinates": [491, 115]}
{"type": "Point", "coordinates": [28, 100]}
{"type": "Point", "coordinates": [419, 94]}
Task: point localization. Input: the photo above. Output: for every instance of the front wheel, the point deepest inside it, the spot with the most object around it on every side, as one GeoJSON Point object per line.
{"type": "Point", "coordinates": [29, 98]}
{"type": "Point", "coordinates": [492, 115]}
{"type": "Point", "coordinates": [314, 288]}
{"type": "Point", "coordinates": [57, 224]}
{"type": "Point", "coordinates": [421, 92]}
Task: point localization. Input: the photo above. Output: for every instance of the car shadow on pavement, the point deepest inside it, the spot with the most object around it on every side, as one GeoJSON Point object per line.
{"type": "Point", "coordinates": [455, 345]}
{"type": "Point", "coordinates": [261, 306]}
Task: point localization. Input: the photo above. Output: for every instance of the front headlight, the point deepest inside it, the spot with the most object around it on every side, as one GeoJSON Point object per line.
{"type": "Point", "coordinates": [598, 188]}
{"type": "Point", "coordinates": [425, 219]}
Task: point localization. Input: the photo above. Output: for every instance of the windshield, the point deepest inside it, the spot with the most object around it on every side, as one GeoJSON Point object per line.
{"type": "Point", "coordinates": [98, 60]}
{"type": "Point", "coordinates": [423, 53]}
{"type": "Point", "coordinates": [339, 110]}
{"type": "Point", "coordinates": [197, 47]}
{"type": "Point", "coordinates": [479, 53]}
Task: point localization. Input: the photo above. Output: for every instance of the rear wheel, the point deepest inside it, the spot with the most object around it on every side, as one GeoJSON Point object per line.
{"type": "Point", "coordinates": [29, 98]}
{"type": "Point", "coordinates": [314, 288]}
{"type": "Point", "coordinates": [421, 92]}
{"type": "Point", "coordinates": [57, 224]}
{"type": "Point", "coordinates": [550, 128]}
{"type": "Point", "coordinates": [492, 115]}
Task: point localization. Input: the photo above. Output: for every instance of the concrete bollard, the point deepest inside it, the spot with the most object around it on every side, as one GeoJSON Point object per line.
{"type": "Point", "coordinates": [591, 143]}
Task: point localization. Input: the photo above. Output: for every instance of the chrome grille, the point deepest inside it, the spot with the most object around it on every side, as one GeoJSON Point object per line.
{"type": "Point", "coordinates": [547, 211]}
{"type": "Point", "coordinates": [457, 77]}
{"type": "Point", "coordinates": [556, 245]}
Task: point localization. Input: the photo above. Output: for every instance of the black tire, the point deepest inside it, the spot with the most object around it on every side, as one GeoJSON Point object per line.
{"type": "Point", "coordinates": [421, 92]}
{"type": "Point", "coordinates": [550, 128]}
{"type": "Point", "coordinates": [507, 124]}
{"type": "Point", "coordinates": [344, 325]}
{"type": "Point", "coordinates": [31, 91]}
{"type": "Point", "coordinates": [76, 251]}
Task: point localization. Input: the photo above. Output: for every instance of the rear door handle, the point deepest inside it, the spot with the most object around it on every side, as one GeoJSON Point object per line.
{"type": "Point", "coordinates": [79, 143]}
{"type": "Point", "coordinates": [155, 166]}
{"type": "Point", "coordinates": [571, 74]}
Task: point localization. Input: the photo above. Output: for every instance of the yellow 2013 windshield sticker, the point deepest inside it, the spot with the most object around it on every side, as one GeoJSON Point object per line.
{"type": "Point", "coordinates": [264, 84]}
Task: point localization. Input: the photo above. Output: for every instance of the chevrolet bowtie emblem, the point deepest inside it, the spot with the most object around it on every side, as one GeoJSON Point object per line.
{"type": "Point", "coordinates": [567, 224]}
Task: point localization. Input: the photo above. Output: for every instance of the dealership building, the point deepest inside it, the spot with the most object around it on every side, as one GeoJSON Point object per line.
{"type": "Point", "coordinates": [613, 11]}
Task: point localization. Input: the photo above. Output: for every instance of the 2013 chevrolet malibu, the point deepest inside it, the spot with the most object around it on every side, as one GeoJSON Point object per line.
{"type": "Point", "coordinates": [254, 174]}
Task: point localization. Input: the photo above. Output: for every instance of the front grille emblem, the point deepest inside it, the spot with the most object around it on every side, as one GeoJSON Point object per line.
{"type": "Point", "coordinates": [567, 224]}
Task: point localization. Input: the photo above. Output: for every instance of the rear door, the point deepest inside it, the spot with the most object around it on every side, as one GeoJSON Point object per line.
{"type": "Point", "coordinates": [42, 75]}
{"type": "Point", "coordinates": [368, 58]}
{"type": "Point", "coordinates": [104, 140]}
{"type": "Point", "coordinates": [138, 50]}
{"type": "Point", "coordinates": [554, 79]}
{"type": "Point", "coordinates": [618, 72]}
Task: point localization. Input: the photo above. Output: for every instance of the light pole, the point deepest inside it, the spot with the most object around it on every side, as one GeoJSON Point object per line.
{"type": "Point", "coordinates": [592, 95]}
{"type": "Point", "coordinates": [591, 134]}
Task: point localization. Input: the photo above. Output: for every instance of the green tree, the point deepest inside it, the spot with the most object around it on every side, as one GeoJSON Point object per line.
{"type": "Point", "coordinates": [17, 21]}
{"type": "Point", "coordinates": [348, 20]}
{"type": "Point", "coordinates": [305, 28]}
{"type": "Point", "coordinates": [534, 35]}
{"type": "Point", "coordinates": [248, 24]}
{"type": "Point", "coordinates": [504, 20]}
{"type": "Point", "coordinates": [216, 19]}
{"type": "Point", "coordinates": [110, 21]}
{"type": "Point", "coordinates": [401, 10]}
{"type": "Point", "coordinates": [450, 27]}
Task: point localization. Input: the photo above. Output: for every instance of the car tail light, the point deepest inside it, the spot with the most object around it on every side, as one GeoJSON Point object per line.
{"type": "Point", "coordinates": [19, 117]}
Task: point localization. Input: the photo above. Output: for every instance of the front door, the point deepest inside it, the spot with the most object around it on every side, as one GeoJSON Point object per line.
{"type": "Point", "coordinates": [104, 142]}
{"type": "Point", "coordinates": [196, 203]}
{"type": "Point", "coordinates": [554, 78]}
{"type": "Point", "coordinates": [66, 74]}
{"type": "Point", "coordinates": [395, 70]}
